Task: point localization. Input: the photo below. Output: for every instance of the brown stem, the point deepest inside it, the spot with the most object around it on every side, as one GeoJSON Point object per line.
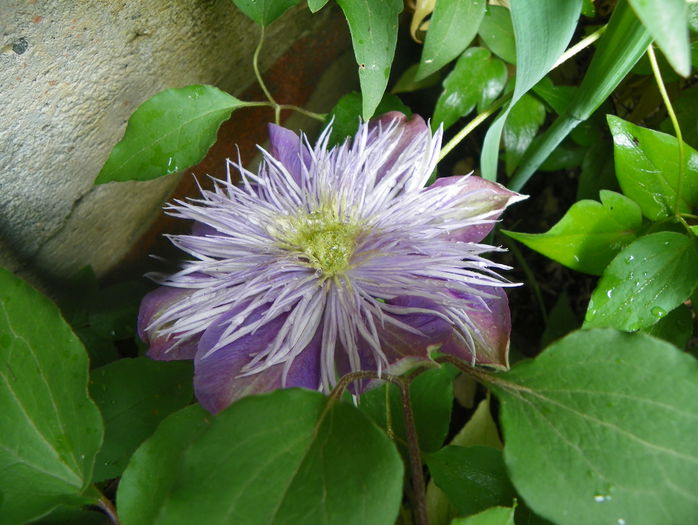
{"type": "Point", "coordinates": [106, 506]}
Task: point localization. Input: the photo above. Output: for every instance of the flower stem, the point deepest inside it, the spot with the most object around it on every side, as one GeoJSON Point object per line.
{"type": "Point", "coordinates": [317, 116]}
{"type": "Point", "coordinates": [674, 121]}
{"type": "Point", "coordinates": [255, 66]}
{"type": "Point", "coordinates": [579, 46]}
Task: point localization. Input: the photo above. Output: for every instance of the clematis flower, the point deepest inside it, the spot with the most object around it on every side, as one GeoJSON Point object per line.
{"type": "Point", "coordinates": [328, 261]}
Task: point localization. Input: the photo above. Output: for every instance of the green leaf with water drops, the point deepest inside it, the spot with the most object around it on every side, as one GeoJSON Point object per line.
{"type": "Point", "coordinates": [645, 281]}
{"type": "Point", "coordinates": [169, 132]}
{"type": "Point", "coordinates": [373, 27]}
{"type": "Point", "coordinates": [134, 395]}
{"type": "Point", "coordinates": [478, 77]}
{"type": "Point", "coordinates": [452, 27]}
{"type": "Point", "coordinates": [264, 12]}
{"type": "Point", "coordinates": [676, 327]}
{"type": "Point", "coordinates": [492, 516]}
{"type": "Point", "coordinates": [288, 457]}
{"type": "Point", "coordinates": [474, 478]}
{"type": "Point", "coordinates": [647, 167]}
{"type": "Point", "coordinates": [599, 429]}
{"type": "Point", "coordinates": [50, 430]}
{"type": "Point", "coordinates": [589, 235]}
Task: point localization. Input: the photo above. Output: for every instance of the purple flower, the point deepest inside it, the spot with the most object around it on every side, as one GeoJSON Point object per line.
{"type": "Point", "coordinates": [332, 261]}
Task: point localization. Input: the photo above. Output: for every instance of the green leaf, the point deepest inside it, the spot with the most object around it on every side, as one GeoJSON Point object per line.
{"type": "Point", "coordinates": [169, 132]}
{"type": "Point", "coordinates": [288, 457]}
{"type": "Point", "coordinates": [589, 235]}
{"type": "Point", "coordinates": [346, 114]}
{"type": "Point", "coordinates": [667, 22]}
{"type": "Point", "coordinates": [561, 320]}
{"type": "Point", "coordinates": [50, 430]}
{"type": "Point", "coordinates": [408, 81]}
{"type": "Point", "coordinates": [624, 41]}
{"type": "Point", "coordinates": [644, 282]}
{"type": "Point", "coordinates": [497, 32]}
{"type": "Point", "coordinates": [493, 516]}
{"type": "Point", "coordinates": [153, 469]}
{"type": "Point", "coordinates": [598, 430]}
{"type": "Point", "coordinates": [134, 395]}
{"type": "Point", "coordinates": [452, 27]}
{"type": "Point", "coordinates": [647, 167]}
{"type": "Point", "coordinates": [521, 126]}
{"type": "Point", "coordinates": [432, 397]}
{"type": "Point", "coordinates": [676, 327]}
{"type": "Point", "coordinates": [473, 478]}
{"type": "Point", "coordinates": [316, 5]}
{"type": "Point", "coordinates": [373, 27]}
{"type": "Point", "coordinates": [264, 12]}
{"type": "Point", "coordinates": [476, 78]}
{"type": "Point", "coordinates": [543, 30]}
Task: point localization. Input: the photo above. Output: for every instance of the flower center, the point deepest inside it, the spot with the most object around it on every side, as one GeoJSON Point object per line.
{"type": "Point", "coordinates": [326, 242]}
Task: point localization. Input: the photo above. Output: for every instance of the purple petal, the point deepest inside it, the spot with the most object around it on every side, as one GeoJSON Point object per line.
{"type": "Point", "coordinates": [217, 379]}
{"type": "Point", "coordinates": [493, 323]}
{"type": "Point", "coordinates": [286, 147]}
{"type": "Point", "coordinates": [202, 230]}
{"type": "Point", "coordinates": [164, 348]}
{"type": "Point", "coordinates": [486, 197]}
{"type": "Point", "coordinates": [408, 127]}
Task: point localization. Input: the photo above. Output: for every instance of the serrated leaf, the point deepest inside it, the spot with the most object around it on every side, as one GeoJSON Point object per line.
{"type": "Point", "coordinates": [373, 27]}
{"type": "Point", "coordinates": [597, 430]}
{"type": "Point", "coordinates": [287, 457]}
{"type": "Point", "coordinates": [432, 398]}
{"type": "Point", "coordinates": [493, 516]}
{"type": "Point", "coordinates": [452, 27]}
{"type": "Point", "coordinates": [474, 478]}
{"type": "Point", "coordinates": [647, 168]}
{"type": "Point", "coordinates": [134, 395]}
{"type": "Point", "coordinates": [264, 12]}
{"type": "Point", "coordinates": [624, 41]}
{"type": "Point", "coordinates": [644, 282]}
{"type": "Point", "coordinates": [667, 22]}
{"type": "Point", "coordinates": [346, 114]}
{"type": "Point", "coordinates": [169, 132]}
{"type": "Point", "coordinates": [50, 430]}
{"type": "Point", "coordinates": [477, 76]}
{"type": "Point", "coordinates": [521, 126]}
{"type": "Point", "coordinates": [589, 235]}
{"type": "Point", "coordinates": [543, 30]}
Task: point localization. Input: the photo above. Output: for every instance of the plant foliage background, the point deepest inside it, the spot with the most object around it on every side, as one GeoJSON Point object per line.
{"type": "Point", "coordinates": [587, 106]}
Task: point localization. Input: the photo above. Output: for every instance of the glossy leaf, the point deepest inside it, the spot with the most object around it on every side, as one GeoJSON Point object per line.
{"type": "Point", "coordinates": [624, 41]}
{"type": "Point", "coordinates": [134, 395]}
{"type": "Point", "coordinates": [647, 168]}
{"type": "Point", "coordinates": [50, 430]}
{"type": "Point", "coordinates": [676, 327]}
{"type": "Point", "coordinates": [373, 27]}
{"type": "Point", "coordinates": [432, 399]}
{"type": "Point", "coordinates": [497, 32]}
{"type": "Point", "coordinates": [452, 27]}
{"type": "Point", "coordinates": [667, 22]}
{"type": "Point", "coordinates": [169, 132]}
{"type": "Point", "coordinates": [589, 235]}
{"type": "Point", "coordinates": [493, 516]}
{"type": "Point", "coordinates": [287, 457]}
{"type": "Point", "coordinates": [474, 478]}
{"type": "Point", "coordinates": [346, 114]}
{"type": "Point", "coordinates": [476, 77]}
{"type": "Point", "coordinates": [521, 126]}
{"type": "Point", "coordinates": [264, 12]}
{"type": "Point", "coordinates": [543, 30]}
{"type": "Point", "coordinates": [644, 282]}
{"type": "Point", "coordinates": [598, 426]}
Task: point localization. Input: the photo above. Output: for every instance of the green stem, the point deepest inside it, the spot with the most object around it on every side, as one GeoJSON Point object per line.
{"type": "Point", "coordinates": [579, 46]}
{"type": "Point", "coordinates": [674, 121]}
{"type": "Point", "coordinates": [470, 126]}
{"type": "Point", "coordinates": [317, 116]}
{"type": "Point", "coordinates": [533, 282]}
{"type": "Point", "coordinates": [258, 75]}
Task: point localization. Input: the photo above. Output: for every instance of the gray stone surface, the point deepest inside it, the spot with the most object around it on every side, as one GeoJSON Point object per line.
{"type": "Point", "coordinates": [71, 73]}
